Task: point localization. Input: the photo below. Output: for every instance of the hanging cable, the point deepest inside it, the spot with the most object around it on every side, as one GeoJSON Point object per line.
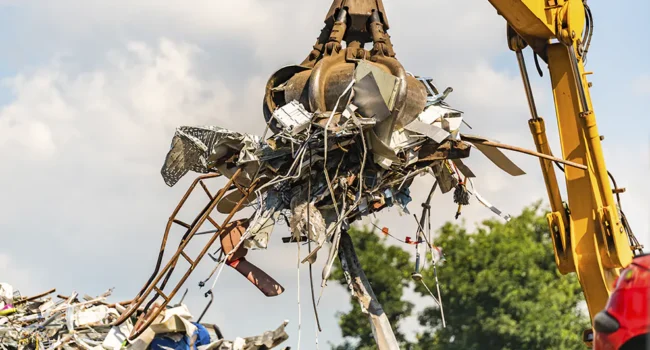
{"type": "Point", "coordinates": [386, 232]}
{"type": "Point", "coordinates": [539, 68]}
{"type": "Point", "coordinates": [442, 310]}
{"type": "Point", "coordinates": [327, 125]}
{"type": "Point", "coordinates": [589, 32]}
{"type": "Point", "coordinates": [430, 293]}
{"type": "Point", "coordinates": [311, 274]}
{"type": "Point", "coordinates": [298, 287]}
{"type": "Point", "coordinates": [633, 241]}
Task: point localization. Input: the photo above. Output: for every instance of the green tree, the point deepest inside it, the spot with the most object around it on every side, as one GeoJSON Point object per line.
{"type": "Point", "coordinates": [389, 270]}
{"type": "Point", "coordinates": [502, 290]}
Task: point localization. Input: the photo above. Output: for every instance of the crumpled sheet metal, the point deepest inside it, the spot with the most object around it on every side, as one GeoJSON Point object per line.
{"type": "Point", "coordinates": [306, 220]}
{"type": "Point", "coordinates": [117, 336]}
{"type": "Point", "coordinates": [202, 149]}
{"type": "Point", "coordinates": [75, 322]}
{"type": "Point", "coordinates": [293, 117]}
{"type": "Point", "coordinates": [175, 320]}
{"type": "Point", "coordinates": [72, 322]}
{"type": "Point", "coordinates": [171, 321]}
{"type": "Point", "coordinates": [495, 155]}
{"type": "Point", "coordinates": [6, 295]}
{"type": "Point", "coordinates": [268, 340]}
{"type": "Point", "coordinates": [324, 174]}
{"type": "Point", "coordinates": [264, 221]}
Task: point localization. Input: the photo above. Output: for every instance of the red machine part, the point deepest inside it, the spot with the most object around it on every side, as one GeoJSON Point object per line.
{"type": "Point", "coordinates": [625, 322]}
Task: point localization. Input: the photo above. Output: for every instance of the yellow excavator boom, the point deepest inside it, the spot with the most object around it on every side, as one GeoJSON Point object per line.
{"type": "Point", "coordinates": [589, 236]}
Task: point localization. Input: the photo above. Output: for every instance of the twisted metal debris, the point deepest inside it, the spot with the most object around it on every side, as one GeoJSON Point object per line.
{"type": "Point", "coordinates": [350, 129]}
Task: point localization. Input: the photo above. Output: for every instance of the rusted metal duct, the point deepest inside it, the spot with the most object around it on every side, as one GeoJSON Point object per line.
{"type": "Point", "coordinates": [322, 77]}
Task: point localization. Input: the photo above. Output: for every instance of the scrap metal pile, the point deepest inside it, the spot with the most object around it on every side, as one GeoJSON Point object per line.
{"type": "Point", "coordinates": [325, 170]}
{"type": "Point", "coordinates": [45, 321]}
{"type": "Point", "coordinates": [351, 129]}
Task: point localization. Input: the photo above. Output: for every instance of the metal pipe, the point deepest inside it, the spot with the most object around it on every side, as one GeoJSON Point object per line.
{"type": "Point", "coordinates": [362, 290]}
{"type": "Point", "coordinates": [592, 137]}
{"type": "Point", "coordinates": [442, 311]}
{"type": "Point", "coordinates": [374, 17]}
{"type": "Point", "coordinates": [156, 277]}
{"type": "Point", "coordinates": [207, 306]}
{"type": "Point", "coordinates": [527, 87]}
{"type": "Point", "coordinates": [578, 80]}
{"type": "Point", "coordinates": [524, 151]}
{"type": "Point", "coordinates": [343, 14]}
{"type": "Point", "coordinates": [137, 331]}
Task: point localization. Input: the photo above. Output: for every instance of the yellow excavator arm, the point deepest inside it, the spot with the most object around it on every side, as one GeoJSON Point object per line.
{"type": "Point", "coordinates": [590, 236]}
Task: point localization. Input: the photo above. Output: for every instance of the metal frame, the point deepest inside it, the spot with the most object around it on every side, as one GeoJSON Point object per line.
{"type": "Point", "coordinates": [153, 289]}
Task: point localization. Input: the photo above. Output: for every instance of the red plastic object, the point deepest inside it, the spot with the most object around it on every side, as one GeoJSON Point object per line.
{"type": "Point", "coordinates": [625, 322]}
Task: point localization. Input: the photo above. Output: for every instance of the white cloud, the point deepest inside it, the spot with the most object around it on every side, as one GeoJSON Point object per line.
{"type": "Point", "coordinates": [236, 17]}
{"type": "Point", "coordinates": [22, 279]}
{"type": "Point", "coordinates": [94, 137]}
{"type": "Point", "coordinates": [140, 91]}
{"type": "Point", "coordinates": [97, 95]}
{"type": "Point", "coordinates": [641, 85]}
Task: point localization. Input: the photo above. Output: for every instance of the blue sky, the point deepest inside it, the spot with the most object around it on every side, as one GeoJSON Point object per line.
{"type": "Point", "coordinates": [91, 93]}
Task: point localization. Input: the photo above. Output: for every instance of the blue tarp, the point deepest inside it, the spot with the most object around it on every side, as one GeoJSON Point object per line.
{"type": "Point", "coordinates": [165, 342]}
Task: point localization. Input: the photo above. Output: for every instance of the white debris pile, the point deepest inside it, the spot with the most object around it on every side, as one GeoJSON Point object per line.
{"type": "Point", "coordinates": [46, 321]}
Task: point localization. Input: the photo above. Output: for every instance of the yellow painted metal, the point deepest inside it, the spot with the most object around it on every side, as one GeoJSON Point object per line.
{"type": "Point", "coordinates": [570, 21]}
{"type": "Point", "coordinates": [595, 244]}
{"type": "Point", "coordinates": [533, 20]}
{"type": "Point", "coordinates": [557, 219]}
{"type": "Point", "coordinates": [528, 17]}
{"type": "Point", "coordinates": [538, 130]}
{"type": "Point", "coordinates": [584, 196]}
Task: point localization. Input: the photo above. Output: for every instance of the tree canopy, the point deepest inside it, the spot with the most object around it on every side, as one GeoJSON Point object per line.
{"type": "Point", "coordinates": [500, 288]}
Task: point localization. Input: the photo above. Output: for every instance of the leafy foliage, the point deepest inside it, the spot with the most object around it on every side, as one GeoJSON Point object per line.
{"type": "Point", "coordinates": [500, 287]}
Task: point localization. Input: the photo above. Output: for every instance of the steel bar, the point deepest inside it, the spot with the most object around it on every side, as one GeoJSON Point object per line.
{"type": "Point", "coordinates": [205, 188]}
{"type": "Point", "coordinates": [147, 321]}
{"type": "Point", "coordinates": [156, 276]}
{"type": "Point", "coordinates": [362, 290]}
{"type": "Point", "coordinates": [527, 87]}
{"type": "Point", "coordinates": [524, 151]}
{"type": "Point", "coordinates": [163, 244]}
{"type": "Point", "coordinates": [32, 298]}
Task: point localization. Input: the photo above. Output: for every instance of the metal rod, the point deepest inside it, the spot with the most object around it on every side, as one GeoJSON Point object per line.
{"type": "Point", "coordinates": [207, 306]}
{"type": "Point", "coordinates": [525, 151]}
{"type": "Point", "coordinates": [362, 290]}
{"type": "Point", "coordinates": [578, 80]}
{"type": "Point", "coordinates": [184, 295]}
{"type": "Point", "coordinates": [527, 87]}
{"type": "Point", "coordinates": [156, 276]}
{"type": "Point", "coordinates": [246, 194]}
{"type": "Point", "coordinates": [442, 311]}
{"type": "Point", "coordinates": [163, 244]}
{"type": "Point", "coordinates": [343, 13]}
{"type": "Point", "coordinates": [426, 208]}
{"type": "Point", "coordinates": [32, 298]}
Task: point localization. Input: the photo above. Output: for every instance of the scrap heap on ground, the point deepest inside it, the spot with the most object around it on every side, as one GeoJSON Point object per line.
{"type": "Point", "coordinates": [46, 321]}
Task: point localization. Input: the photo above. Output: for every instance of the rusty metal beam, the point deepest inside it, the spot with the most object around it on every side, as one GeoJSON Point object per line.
{"type": "Point", "coordinates": [362, 291]}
